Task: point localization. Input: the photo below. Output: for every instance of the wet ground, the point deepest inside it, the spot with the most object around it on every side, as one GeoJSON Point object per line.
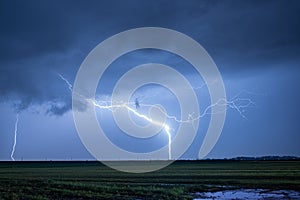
{"type": "Point", "coordinates": [249, 194]}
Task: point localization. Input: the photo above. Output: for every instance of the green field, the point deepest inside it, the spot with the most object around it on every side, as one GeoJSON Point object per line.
{"type": "Point", "coordinates": [92, 180]}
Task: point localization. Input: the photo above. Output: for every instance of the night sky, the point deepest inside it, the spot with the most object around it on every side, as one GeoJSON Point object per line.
{"type": "Point", "coordinates": [255, 44]}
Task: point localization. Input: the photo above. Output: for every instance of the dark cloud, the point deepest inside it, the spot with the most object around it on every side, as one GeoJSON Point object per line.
{"type": "Point", "coordinates": [40, 38]}
{"type": "Point", "coordinates": [255, 34]}
{"type": "Point", "coordinates": [31, 29]}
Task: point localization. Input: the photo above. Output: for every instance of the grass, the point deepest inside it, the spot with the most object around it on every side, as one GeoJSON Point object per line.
{"type": "Point", "coordinates": [92, 180]}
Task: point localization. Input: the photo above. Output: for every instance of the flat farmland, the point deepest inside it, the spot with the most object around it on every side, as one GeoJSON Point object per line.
{"type": "Point", "coordinates": [180, 180]}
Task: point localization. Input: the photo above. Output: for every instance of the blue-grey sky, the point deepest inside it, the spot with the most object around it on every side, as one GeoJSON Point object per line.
{"type": "Point", "coordinates": [255, 44]}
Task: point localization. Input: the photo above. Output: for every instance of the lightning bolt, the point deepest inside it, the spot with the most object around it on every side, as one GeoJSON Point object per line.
{"type": "Point", "coordinates": [66, 81]}
{"type": "Point", "coordinates": [110, 107]}
{"type": "Point", "coordinates": [157, 123]}
{"type": "Point", "coordinates": [236, 102]}
{"type": "Point", "coordinates": [15, 139]}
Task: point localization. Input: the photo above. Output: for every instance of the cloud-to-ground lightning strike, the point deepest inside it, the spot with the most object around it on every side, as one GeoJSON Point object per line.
{"type": "Point", "coordinates": [15, 139]}
{"type": "Point", "coordinates": [164, 125]}
{"type": "Point", "coordinates": [234, 103]}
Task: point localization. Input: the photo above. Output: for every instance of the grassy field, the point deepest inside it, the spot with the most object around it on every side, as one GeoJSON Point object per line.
{"type": "Point", "coordinates": [92, 180]}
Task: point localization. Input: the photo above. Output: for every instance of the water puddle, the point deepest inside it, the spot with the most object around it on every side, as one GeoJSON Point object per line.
{"type": "Point", "coordinates": [249, 194]}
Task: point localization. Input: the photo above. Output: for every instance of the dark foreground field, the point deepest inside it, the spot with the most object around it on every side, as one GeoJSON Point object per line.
{"type": "Point", "coordinates": [182, 179]}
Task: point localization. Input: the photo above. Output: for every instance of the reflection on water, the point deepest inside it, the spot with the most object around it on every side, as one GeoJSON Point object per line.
{"type": "Point", "coordinates": [249, 194]}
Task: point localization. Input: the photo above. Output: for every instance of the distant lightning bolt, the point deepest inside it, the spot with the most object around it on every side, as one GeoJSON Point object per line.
{"type": "Point", "coordinates": [236, 103]}
{"type": "Point", "coordinates": [15, 139]}
{"type": "Point", "coordinates": [66, 81]}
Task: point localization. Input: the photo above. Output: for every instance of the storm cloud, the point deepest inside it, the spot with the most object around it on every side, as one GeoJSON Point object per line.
{"type": "Point", "coordinates": [39, 39]}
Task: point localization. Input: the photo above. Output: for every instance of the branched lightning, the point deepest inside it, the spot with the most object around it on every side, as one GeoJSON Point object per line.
{"type": "Point", "coordinates": [15, 139]}
{"type": "Point", "coordinates": [236, 102]}
{"type": "Point", "coordinates": [206, 84]}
